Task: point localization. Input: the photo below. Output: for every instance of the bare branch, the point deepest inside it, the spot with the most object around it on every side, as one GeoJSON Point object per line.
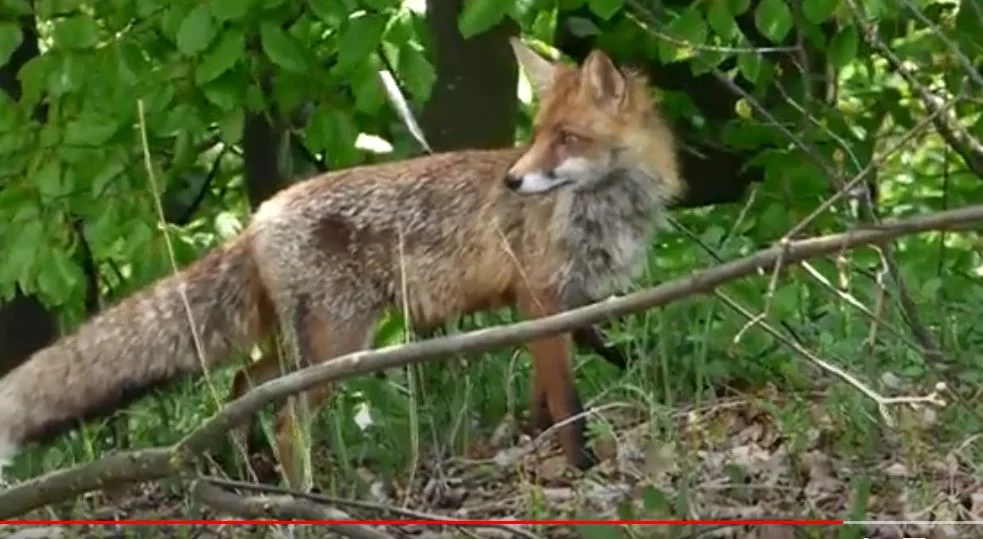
{"type": "Point", "coordinates": [157, 463]}
{"type": "Point", "coordinates": [106, 473]}
{"type": "Point", "coordinates": [280, 508]}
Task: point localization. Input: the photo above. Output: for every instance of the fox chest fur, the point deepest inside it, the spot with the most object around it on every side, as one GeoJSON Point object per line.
{"type": "Point", "coordinates": [603, 233]}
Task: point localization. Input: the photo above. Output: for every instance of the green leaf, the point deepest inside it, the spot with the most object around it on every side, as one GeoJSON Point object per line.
{"type": "Point", "coordinates": [230, 48]}
{"type": "Point", "coordinates": [417, 73]}
{"type": "Point", "coordinates": [54, 8]}
{"type": "Point", "coordinates": [773, 19]}
{"type": "Point", "coordinates": [318, 134]}
{"type": "Point", "coordinates": [22, 250]}
{"type": "Point", "coordinates": [688, 29]}
{"type": "Point", "coordinates": [929, 290]}
{"type": "Point", "coordinates": [184, 150]}
{"type": "Point", "coordinates": [131, 65]}
{"type": "Point", "coordinates": [605, 9]}
{"type": "Point", "coordinates": [10, 39]}
{"type": "Point", "coordinates": [582, 27]}
{"type": "Point", "coordinates": [228, 10]}
{"type": "Point", "coordinates": [230, 126]}
{"type": "Point", "coordinates": [969, 26]}
{"type": "Point", "coordinates": [329, 11]}
{"type": "Point", "coordinates": [111, 168]}
{"type": "Point", "coordinates": [478, 16]}
{"type": "Point", "coordinates": [380, 5]}
{"type": "Point", "coordinates": [57, 274]}
{"type": "Point", "coordinates": [654, 500]}
{"type": "Point", "coordinates": [281, 48]}
{"type": "Point", "coordinates": [817, 11]}
{"type": "Point", "coordinates": [843, 46]}
{"type": "Point", "coordinates": [369, 96]}
{"type": "Point", "coordinates": [227, 91]}
{"type": "Point", "coordinates": [786, 301]}
{"type": "Point", "coordinates": [69, 75]}
{"type": "Point", "coordinates": [391, 330]}
{"type": "Point", "coordinates": [749, 65]}
{"type": "Point", "coordinates": [15, 7]}
{"type": "Point", "coordinates": [360, 38]}
{"type": "Point", "coordinates": [196, 31]}
{"type": "Point", "coordinates": [333, 131]}
{"type": "Point", "coordinates": [690, 26]}
{"type": "Point", "coordinates": [50, 136]}
{"type": "Point", "coordinates": [737, 7]}
{"type": "Point", "coordinates": [76, 32]}
{"type": "Point", "coordinates": [33, 77]}
{"type": "Point", "coordinates": [708, 60]}
{"type": "Point", "coordinates": [90, 130]}
{"type": "Point", "coordinates": [48, 179]}
{"type": "Point", "coordinates": [722, 20]}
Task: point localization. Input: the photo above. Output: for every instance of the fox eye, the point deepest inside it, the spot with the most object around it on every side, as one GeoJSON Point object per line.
{"type": "Point", "coordinates": [569, 138]}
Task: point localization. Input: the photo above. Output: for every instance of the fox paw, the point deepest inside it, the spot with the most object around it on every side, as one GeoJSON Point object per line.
{"type": "Point", "coordinates": [584, 459]}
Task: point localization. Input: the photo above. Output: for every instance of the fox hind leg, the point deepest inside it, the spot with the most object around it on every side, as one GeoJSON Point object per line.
{"type": "Point", "coordinates": [319, 339]}
{"type": "Point", "coordinates": [257, 445]}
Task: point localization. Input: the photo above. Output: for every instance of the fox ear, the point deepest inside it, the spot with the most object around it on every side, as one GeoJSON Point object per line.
{"type": "Point", "coordinates": [538, 70]}
{"type": "Point", "coordinates": [605, 82]}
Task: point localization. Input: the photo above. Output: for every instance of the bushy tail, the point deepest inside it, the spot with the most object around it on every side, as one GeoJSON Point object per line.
{"type": "Point", "coordinates": [135, 346]}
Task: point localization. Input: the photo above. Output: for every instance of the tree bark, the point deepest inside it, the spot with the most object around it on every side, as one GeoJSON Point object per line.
{"type": "Point", "coordinates": [473, 102]}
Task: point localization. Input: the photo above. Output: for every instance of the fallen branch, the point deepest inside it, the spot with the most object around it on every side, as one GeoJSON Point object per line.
{"type": "Point", "coordinates": [280, 508]}
{"type": "Point", "coordinates": [106, 473]}
{"type": "Point", "coordinates": [161, 462]}
{"type": "Point", "coordinates": [358, 504]}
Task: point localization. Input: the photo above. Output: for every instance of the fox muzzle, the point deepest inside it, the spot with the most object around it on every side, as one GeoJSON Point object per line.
{"type": "Point", "coordinates": [534, 182]}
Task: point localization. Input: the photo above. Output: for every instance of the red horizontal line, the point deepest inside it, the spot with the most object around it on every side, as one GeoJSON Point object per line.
{"type": "Point", "coordinates": [426, 522]}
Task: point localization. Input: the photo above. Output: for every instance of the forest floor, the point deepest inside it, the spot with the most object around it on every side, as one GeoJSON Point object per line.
{"type": "Point", "coordinates": [728, 460]}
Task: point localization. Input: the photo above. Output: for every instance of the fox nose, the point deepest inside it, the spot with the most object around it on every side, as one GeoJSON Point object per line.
{"type": "Point", "coordinates": [512, 181]}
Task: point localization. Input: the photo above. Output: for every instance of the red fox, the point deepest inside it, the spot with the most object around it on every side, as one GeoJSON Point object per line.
{"type": "Point", "coordinates": [542, 228]}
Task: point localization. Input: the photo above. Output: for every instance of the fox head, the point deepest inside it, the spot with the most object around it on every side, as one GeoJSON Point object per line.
{"type": "Point", "coordinates": [593, 122]}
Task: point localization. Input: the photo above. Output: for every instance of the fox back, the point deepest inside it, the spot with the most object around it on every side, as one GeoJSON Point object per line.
{"type": "Point", "coordinates": [452, 233]}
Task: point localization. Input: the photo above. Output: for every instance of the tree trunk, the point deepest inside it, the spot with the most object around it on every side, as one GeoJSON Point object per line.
{"type": "Point", "coordinates": [25, 324]}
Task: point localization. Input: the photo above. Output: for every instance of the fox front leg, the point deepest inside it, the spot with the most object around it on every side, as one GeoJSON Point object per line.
{"type": "Point", "coordinates": [554, 395]}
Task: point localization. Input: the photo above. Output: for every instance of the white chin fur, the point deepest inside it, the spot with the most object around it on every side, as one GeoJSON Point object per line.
{"type": "Point", "coordinates": [578, 167]}
{"type": "Point", "coordinates": [537, 183]}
